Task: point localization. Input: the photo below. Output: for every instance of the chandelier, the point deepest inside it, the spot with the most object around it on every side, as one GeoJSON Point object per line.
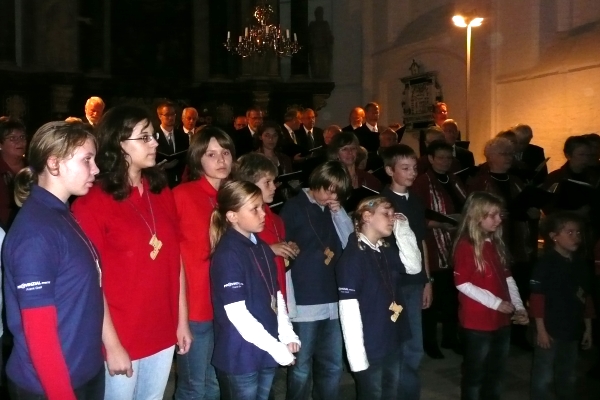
{"type": "Point", "coordinates": [259, 39]}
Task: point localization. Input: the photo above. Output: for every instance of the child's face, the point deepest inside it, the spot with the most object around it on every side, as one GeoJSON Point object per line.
{"type": "Point", "coordinates": [324, 196]}
{"type": "Point", "coordinates": [491, 221]}
{"type": "Point", "coordinates": [267, 187]}
{"type": "Point", "coordinates": [404, 172]}
{"type": "Point", "coordinates": [216, 162]}
{"type": "Point", "coordinates": [381, 221]}
{"type": "Point", "coordinates": [568, 238]}
{"type": "Point", "coordinates": [250, 218]}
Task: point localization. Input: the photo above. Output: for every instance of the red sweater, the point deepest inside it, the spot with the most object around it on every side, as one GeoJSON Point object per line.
{"type": "Point", "coordinates": [471, 313]}
{"type": "Point", "coordinates": [274, 232]}
{"type": "Point", "coordinates": [142, 293]}
{"type": "Point", "coordinates": [195, 202]}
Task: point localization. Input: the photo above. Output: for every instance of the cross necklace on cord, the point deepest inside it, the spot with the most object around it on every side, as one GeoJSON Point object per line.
{"type": "Point", "coordinates": [154, 242]}
{"type": "Point", "coordinates": [271, 288]}
{"type": "Point", "coordinates": [89, 245]}
{"type": "Point", "coordinates": [395, 308]}
{"type": "Point", "coordinates": [328, 253]}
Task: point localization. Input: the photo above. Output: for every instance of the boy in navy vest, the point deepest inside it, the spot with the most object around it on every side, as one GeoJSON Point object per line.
{"type": "Point", "coordinates": [317, 223]}
{"type": "Point", "coordinates": [401, 165]}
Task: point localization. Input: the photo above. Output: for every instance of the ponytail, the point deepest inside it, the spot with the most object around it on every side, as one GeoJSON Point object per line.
{"type": "Point", "coordinates": [23, 182]}
{"type": "Point", "coordinates": [231, 197]}
{"type": "Point", "coordinates": [218, 226]}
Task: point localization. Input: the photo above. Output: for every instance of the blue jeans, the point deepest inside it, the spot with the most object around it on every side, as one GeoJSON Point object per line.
{"type": "Point", "coordinates": [409, 387]}
{"type": "Point", "coordinates": [380, 380]}
{"type": "Point", "coordinates": [484, 362]}
{"type": "Point", "coordinates": [196, 377]}
{"type": "Point", "coordinates": [321, 347]}
{"type": "Point", "coordinates": [150, 375]}
{"type": "Point", "coordinates": [253, 386]}
{"type": "Point", "coordinates": [558, 363]}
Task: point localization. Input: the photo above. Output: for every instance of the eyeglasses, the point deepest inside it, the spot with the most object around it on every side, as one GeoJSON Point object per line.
{"type": "Point", "coordinates": [16, 138]}
{"type": "Point", "coordinates": [146, 138]}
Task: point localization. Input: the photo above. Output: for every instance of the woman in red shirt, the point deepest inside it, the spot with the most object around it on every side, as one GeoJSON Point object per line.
{"type": "Point", "coordinates": [130, 217]}
{"type": "Point", "coordinates": [210, 158]}
{"type": "Point", "coordinates": [487, 298]}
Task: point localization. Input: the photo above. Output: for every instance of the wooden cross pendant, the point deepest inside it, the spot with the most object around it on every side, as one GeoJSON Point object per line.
{"type": "Point", "coordinates": [328, 255]}
{"type": "Point", "coordinates": [274, 304]}
{"type": "Point", "coordinates": [396, 309]}
{"type": "Point", "coordinates": [156, 246]}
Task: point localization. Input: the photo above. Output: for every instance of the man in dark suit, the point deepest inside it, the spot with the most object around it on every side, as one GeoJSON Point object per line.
{"type": "Point", "coordinates": [357, 117]}
{"type": "Point", "coordinates": [289, 144]}
{"type": "Point", "coordinates": [171, 140]}
{"type": "Point", "coordinates": [464, 156]}
{"type": "Point", "coordinates": [243, 139]}
{"type": "Point", "coordinates": [308, 136]}
{"type": "Point", "coordinates": [528, 153]}
{"type": "Point", "coordinates": [368, 134]}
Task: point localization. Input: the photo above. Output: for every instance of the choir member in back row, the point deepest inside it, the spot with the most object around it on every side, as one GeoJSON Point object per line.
{"type": "Point", "coordinates": [443, 193]}
{"type": "Point", "coordinates": [344, 148]}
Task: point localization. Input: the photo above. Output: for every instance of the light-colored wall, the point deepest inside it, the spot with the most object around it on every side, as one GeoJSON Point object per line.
{"type": "Point", "coordinates": [533, 62]}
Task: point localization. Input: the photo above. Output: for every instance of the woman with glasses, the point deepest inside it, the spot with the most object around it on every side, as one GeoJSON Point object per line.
{"type": "Point", "coordinates": [130, 217]}
{"type": "Point", "coordinates": [13, 144]}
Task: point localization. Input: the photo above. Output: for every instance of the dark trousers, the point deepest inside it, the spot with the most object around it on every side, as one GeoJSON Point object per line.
{"type": "Point", "coordinates": [483, 363]}
{"type": "Point", "coordinates": [443, 309]}
{"type": "Point", "coordinates": [558, 364]}
{"type": "Point", "coordinates": [91, 390]}
{"type": "Point", "coordinates": [380, 380]}
{"type": "Point", "coordinates": [252, 386]}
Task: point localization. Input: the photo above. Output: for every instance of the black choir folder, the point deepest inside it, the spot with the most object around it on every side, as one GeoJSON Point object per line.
{"type": "Point", "coordinates": [530, 197]}
{"type": "Point", "coordinates": [357, 196]}
{"type": "Point", "coordinates": [180, 156]}
{"type": "Point", "coordinates": [573, 195]}
{"type": "Point", "coordinates": [292, 179]}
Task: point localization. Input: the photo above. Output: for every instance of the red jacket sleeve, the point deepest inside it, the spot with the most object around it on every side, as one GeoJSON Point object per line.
{"type": "Point", "coordinates": [40, 326]}
{"type": "Point", "coordinates": [464, 263]}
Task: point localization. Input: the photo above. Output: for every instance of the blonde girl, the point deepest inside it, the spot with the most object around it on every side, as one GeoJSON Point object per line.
{"type": "Point", "coordinates": [488, 296]}
{"type": "Point", "coordinates": [253, 333]}
{"type": "Point", "coordinates": [371, 301]}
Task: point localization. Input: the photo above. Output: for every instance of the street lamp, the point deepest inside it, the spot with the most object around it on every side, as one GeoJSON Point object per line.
{"type": "Point", "coordinates": [463, 22]}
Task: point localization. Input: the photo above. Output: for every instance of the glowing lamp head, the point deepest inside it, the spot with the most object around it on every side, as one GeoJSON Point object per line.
{"type": "Point", "coordinates": [459, 21]}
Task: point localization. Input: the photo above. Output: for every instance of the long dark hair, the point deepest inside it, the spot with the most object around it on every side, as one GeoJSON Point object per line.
{"type": "Point", "coordinates": [114, 127]}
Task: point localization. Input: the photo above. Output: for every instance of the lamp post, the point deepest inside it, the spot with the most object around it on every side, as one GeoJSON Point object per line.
{"type": "Point", "coordinates": [464, 22]}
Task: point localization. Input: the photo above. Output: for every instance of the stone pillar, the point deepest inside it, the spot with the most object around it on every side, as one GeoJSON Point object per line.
{"type": "Point", "coordinates": [299, 26]}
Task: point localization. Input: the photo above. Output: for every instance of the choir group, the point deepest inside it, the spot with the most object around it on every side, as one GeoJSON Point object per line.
{"type": "Point", "coordinates": [239, 251]}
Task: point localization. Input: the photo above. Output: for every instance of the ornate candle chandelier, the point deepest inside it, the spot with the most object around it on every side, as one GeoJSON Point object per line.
{"type": "Point", "coordinates": [261, 38]}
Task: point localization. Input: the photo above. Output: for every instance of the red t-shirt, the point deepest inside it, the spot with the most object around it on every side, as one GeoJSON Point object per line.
{"type": "Point", "coordinates": [471, 313]}
{"type": "Point", "coordinates": [142, 294]}
{"type": "Point", "coordinates": [274, 232]}
{"type": "Point", "coordinates": [195, 202]}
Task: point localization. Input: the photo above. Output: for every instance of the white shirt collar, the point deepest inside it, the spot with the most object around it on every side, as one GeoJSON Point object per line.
{"type": "Point", "coordinates": [311, 199]}
{"type": "Point", "coordinates": [402, 194]}
{"type": "Point", "coordinates": [253, 238]}
{"type": "Point", "coordinates": [371, 127]}
{"type": "Point", "coordinates": [166, 132]}
{"type": "Point", "coordinates": [188, 132]}
{"type": "Point", "coordinates": [290, 130]}
{"type": "Point", "coordinates": [251, 131]}
{"type": "Point", "coordinates": [307, 130]}
{"type": "Point", "coordinates": [355, 127]}
{"type": "Point", "coordinates": [366, 241]}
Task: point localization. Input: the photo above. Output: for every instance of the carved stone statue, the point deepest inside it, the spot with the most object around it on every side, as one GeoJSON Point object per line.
{"type": "Point", "coordinates": [320, 46]}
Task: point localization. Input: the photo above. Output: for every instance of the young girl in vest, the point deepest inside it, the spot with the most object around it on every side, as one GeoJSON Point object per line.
{"type": "Point", "coordinates": [371, 301]}
{"type": "Point", "coordinates": [488, 297]}
{"type": "Point", "coordinates": [253, 333]}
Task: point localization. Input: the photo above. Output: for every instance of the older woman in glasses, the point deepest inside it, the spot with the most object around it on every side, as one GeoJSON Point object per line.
{"type": "Point", "coordinates": [13, 143]}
